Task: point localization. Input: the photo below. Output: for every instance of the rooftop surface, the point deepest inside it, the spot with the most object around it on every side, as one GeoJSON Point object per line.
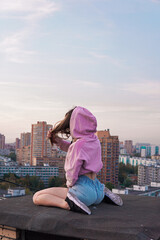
{"type": "Point", "coordinates": [138, 218]}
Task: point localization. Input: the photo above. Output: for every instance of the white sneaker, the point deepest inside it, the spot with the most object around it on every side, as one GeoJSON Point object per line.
{"type": "Point", "coordinates": [110, 197]}
{"type": "Point", "coordinates": [76, 205]}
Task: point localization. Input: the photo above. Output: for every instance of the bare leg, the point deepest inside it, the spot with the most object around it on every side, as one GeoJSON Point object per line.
{"type": "Point", "coordinates": [52, 197]}
{"type": "Point", "coordinates": [55, 191]}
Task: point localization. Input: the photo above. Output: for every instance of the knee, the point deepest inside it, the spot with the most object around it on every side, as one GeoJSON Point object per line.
{"type": "Point", "coordinates": [35, 198]}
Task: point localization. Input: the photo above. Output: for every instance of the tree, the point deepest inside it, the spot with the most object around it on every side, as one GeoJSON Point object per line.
{"type": "Point", "coordinates": [12, 155]}
{"type": "Point", "coordinates": [55, 182]}
{"type": "Point", "coordinates": [34, 183]}
{"type": "Point", "coordinates": [28, 191]}
{"type": "Point", "coordinates": [124, 172]}
{"type": "Point", "coordinates": [109, 185]}
{"type": "Point", "coordinates": [11, 177]}
{"type": "Point", "coordinates": [127, 182]}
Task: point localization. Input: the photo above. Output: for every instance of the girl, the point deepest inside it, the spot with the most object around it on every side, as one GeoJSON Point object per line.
{"type": "Point", "coordinates": [82, 163]}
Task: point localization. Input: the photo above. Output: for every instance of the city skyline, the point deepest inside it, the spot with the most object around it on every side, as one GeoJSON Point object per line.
{"type": "Point", "coordinates": [120, 139]}
{"type": "Point", "coordinates": [101, 54]}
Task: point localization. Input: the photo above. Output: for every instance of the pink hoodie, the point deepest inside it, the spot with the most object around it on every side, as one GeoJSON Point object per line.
{"type": "Point", "coordinates": [83, 155]}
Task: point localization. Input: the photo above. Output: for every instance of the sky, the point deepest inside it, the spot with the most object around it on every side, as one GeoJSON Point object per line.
{"type": "Point", "coordinates": [103, 55]}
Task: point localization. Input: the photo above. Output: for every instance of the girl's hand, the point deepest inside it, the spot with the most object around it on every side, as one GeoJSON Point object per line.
{"type": "Point", "coordinates": [53, 137]}
{"type": "Point", "coordinates": [49, 133]}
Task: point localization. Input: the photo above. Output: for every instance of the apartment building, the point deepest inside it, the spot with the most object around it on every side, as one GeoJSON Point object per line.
{"type": "Point", "coordinates": [135, 161]}
{"type": "Point", "coordinates": [128, 145]}
{"type": "Point", "coordinates": [23, 155]}
{"type": "Point", "coordinates": [51, 161]}
{"type": "Point", "coordinates": [40, 146]}
{"type": "Point", "coordinates": [2, 141]}
{"type": "Point", "coordinates": [148, 174]}
{"type": "Point", "coordinates": [110, 156]}
{"type": "Point", "coordinates": [44, 172]}
{"type": "Point", "coordinates": [25, 139]}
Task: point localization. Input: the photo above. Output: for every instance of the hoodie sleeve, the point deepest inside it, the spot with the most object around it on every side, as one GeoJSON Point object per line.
{"type": "Point", "coordinates": [62, 144]}
{"type": "Point", "coordinates": [75, 159]}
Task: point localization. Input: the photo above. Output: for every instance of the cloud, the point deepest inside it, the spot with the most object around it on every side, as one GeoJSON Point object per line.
{"type": "Point", "coordinates": [109, 59]}
{"type": "Point", "coordinates": [13, 45]}
{"type": "Point", "coordinates": [23, 84]}
{"type": "Point", "coordinates": [156, 1]}
{"type": "Point", "coordinates": [122, 109]}
{"type": "Point", "coordinates": [89, 84]}
{"type": "Point", "coordinates": [143, 88]}
{"type": "Point", "coordinates": [29, 10]}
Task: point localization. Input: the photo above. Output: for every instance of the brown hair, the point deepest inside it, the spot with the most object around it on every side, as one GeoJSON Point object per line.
{"type": "Point", "coordinates": [62, 126]}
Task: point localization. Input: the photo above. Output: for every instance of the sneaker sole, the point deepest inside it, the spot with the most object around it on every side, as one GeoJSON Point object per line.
{"type": "Point", "coordinates": [73, 198]}
{"type": "Point", "coordinates": [113, 197]}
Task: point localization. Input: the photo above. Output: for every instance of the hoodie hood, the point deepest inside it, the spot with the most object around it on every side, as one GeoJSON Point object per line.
{"type": "Point", "coordinates": [82, 123]}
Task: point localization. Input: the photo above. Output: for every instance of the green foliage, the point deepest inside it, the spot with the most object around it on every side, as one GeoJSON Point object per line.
{"type": "Point", "coordinates": [28, 192]}
{"type": "Point", "coordinates": [3, 185]}
{"type": "Point", "coordinates": [56, 182]}
{"type": "Point", "coordinates": [124, 172]}
{"type": "Point", "coordinates": [12, 155]}
{"type": "Point", "coordinates": [121, 177]}
{"type": "Point", "coordinates": [136, 170]}
{"type": "Point", "coordinates": [109, 185]}
{"type": "Point", "coordinates": [127, 182]}
{"type": "Point", "coordinates": [32, 183]}
{"type": "Point", "coordinates": [9, 177]}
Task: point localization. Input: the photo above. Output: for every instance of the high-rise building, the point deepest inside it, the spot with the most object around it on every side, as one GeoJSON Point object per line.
{"type": "Point", "coordinates": [140, 146]}
{"type": "Point", "coordinates": [40, 146]}
{"type": "Point", "coordinates": [148, 174]}
{"type": "Point", "coordinates": [23, 149]}
{"type": "Point", "coordinates": [155, 150]}
{"type": "Point", "coordinates": [17, 143]}
{"type": "Point", "coordinates": [110, 157]}
{"type": "Point", "coordinates": [2, 141]}
{"type": "Point", "coordinates": [25, 139]}
{"type": "Point", "coordinates": [23, 155]}
{"type": "Point", "coordinates": [128, 145]}
{"type": "Point", "coordinates": [121, 148]}
{"type": "Point", "coordinates": [143, 151]}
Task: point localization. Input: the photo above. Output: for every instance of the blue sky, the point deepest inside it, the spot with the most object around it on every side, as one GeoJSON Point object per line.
{"type": "Point", "coordinates": [100, 54]}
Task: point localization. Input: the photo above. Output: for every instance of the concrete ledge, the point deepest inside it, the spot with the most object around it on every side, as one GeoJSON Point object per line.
{"type": "Point", "coordinates": [138, 219]}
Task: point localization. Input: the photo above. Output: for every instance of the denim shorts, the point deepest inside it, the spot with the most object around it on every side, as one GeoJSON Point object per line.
{"type": "Point", "coordinates": [88, 191]}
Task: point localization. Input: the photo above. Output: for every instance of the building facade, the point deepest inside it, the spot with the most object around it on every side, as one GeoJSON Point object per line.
{"type": "Point", "coordinates": [135, 161]}
{"type": "Point", "coordinates": [148, 174]}
{"type": "Point", "coordinates": [23, 155]}
{"type": "Point", "coordinates": [17, 143]}
{"type": "Point", "coordinates": [146, 146]}
{"type": "Point", "coordinates": [40, 146]}
{"type": "Point", "coordinates": [52, 161]}
{"type": "Point", "coordinates": [25, 139]}
{"type": "Point", "coordinates": [40, 171]}
{"type": "Point", "coordinates": [2, 141]}
{"type": "Point", "coordinates": [23, 151]}
{"type": "Point", "coordinates": [155, 150]}
{"type": "Point", "coordinates": [128, 145]}
{"type": "Point", "coordinates": [110, 156]}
